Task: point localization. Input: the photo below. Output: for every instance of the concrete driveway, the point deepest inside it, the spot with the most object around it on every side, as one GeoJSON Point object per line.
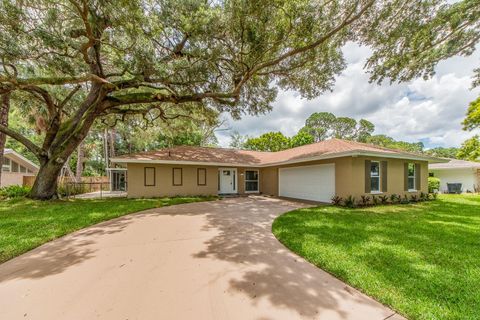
{"type": "Point", "coordinates": [210, 260]}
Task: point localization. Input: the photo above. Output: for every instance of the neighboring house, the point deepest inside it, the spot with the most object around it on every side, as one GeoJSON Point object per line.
{"type": "Point", "coordinates": [312, 172]}
{"type": "Point", "coordinates": [457, 171]}
{"type": "Point", "coordinates": [15, 167]}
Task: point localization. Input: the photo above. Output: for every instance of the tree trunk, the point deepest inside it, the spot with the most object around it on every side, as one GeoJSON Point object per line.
{"type": "Point", "coordinates": [4, 110]}
{"type": "Point", "coordinates": [45, 186]}
{"type": "Point", "coordinates": [112, 143]}
{"type": "Point", "coordinates": [80, 160]}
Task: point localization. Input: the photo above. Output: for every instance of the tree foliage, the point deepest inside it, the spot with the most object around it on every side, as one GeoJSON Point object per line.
{"type": "Point", "coordinates": [75, 61]}
{"type": "Point", "coordinates": [270, 141]}
{"type": "Point", "coordinates": [472, 120]}
{"type": "Point", "coordinates": [324, 125]}
{"type": "Point", "coordinates": [237, 140]}
{"type": "Point", "coordinates": [442, 152]}
{"type": "Point", "coordinates": [470, 149]}
{"type": "Point", "coordinates": [300, 139]}
{"type": "Point", "coordinates": [388, 142]}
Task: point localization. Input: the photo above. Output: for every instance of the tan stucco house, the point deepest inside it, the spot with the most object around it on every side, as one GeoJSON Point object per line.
{"type": "Point", "coordinates": [314, 172]}
{"type": "Point", "coordinates": [15, 167]}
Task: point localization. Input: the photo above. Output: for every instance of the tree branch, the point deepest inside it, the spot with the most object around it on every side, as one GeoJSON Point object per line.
{"type": "Point", "coordinates": [22, 139]}
{"type": "Point", "coordinates": [55, 80]}
{"type": "Point", "coordinates": [349, 19]}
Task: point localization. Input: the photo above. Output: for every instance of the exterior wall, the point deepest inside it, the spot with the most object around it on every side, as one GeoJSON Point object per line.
{"type": "Point", "coordinates": [16, 178]}
{"type": "Point", "coordinates": [395, 177]}
{"type": "Point", "coordinates": [13, 178]}
{"type": "Point", "coordinates": [349, 178]}
{"type": "Point", "coordinates": [467, 177]}
{"type": "Point", "coordinates": [269, 181]}
{"type": "Point", "coordinates": [164, 181]}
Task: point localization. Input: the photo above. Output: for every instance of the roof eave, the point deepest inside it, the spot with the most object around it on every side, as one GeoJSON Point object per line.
{"type": "Point", "coordinates": [292, 161]}
{"type": "Point", "coordinates": [18, 155]}
{"type": "Point", "coordinates": [204, 163]}
{"type": "Point", "coordinates": [455, 168]}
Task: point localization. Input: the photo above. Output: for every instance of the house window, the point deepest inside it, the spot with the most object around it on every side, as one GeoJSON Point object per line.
{"type": "Point", "coordinates": [201, 176]}
{"type": "Point", "coordinates": [6, 165]}
{"type": "Point", "coordinates": [177, 179]}
{"type": "Point", "coordinates": [251, 180]}
{"type": "Point", "coordinates": [375, 176]}
{"type": "Point", "coordinates": [14, 166]}
{"type": "Point", "coordinates": [411, 176]}
{"type": "Point", "coordinates": [149, 176]}
{"type": "Point", "coordinates": [23, 169]}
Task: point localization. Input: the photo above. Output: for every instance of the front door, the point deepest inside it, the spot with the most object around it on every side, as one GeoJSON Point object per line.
{"type": "Point", "coordinates": [227, 181]}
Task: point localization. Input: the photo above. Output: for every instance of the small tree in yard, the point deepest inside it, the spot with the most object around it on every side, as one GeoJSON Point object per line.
{"type": "Point", "coordinates": [72, 62]}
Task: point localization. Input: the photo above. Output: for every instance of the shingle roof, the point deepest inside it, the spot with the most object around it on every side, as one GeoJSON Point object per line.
{"type": "Point", "coordinates": [324, 149]}
{"type": "Point", "coordinates": [455, 164]}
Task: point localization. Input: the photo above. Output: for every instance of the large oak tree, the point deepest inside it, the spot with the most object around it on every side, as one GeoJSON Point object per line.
{"type": "Point", "coordinates": [75, 61]}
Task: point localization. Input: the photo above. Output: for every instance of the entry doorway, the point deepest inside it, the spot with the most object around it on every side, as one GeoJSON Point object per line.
{"type": "Point", "coordinates": [118, 180]}
{"type": "Point", "coordinates": [227, 181]}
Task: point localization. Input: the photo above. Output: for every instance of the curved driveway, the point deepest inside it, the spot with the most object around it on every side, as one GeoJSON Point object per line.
{"type": "Point", "coordinates": [209, 260]}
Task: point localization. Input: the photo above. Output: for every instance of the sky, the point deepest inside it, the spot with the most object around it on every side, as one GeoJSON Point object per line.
{"type": "Point", "coordinates": [430, 111]}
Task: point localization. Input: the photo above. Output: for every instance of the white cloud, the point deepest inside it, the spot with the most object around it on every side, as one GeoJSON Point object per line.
{"type": "Point", "coordinates": [430, 111]}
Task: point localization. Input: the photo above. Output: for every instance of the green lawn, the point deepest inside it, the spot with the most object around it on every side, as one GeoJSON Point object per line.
{"type": "Point", "coordinates": [26, 224]}
{"type": "Point", "coordinates": [421, 259]}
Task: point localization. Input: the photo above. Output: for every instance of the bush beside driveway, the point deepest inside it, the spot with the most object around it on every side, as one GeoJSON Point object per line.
{"type": "Point", "coordinates": [422, 259]}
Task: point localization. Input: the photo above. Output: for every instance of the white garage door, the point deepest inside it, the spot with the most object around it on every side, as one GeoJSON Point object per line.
{"type": "Point", "coordinates": [316, 183]}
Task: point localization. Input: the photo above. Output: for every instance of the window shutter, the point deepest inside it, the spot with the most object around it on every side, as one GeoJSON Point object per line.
{"type": "Point", "coordinates": [368, 186]}
{"type": "Point", "coordinates": [384, 175]}
{"type": "Point", "coordinates": [418, 177]}
{"type": "Point", "coordinates": [405, 176]}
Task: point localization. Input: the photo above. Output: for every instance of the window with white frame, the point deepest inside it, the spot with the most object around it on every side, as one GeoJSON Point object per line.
{"type": "Point", "coordinates": [251, 180]}
{"type": "Point", "coordinates": [411, 176]}
{"type": "Point", "coordinates": [6, 167]}
{"type": "Point", "coordinates": [375, 176]}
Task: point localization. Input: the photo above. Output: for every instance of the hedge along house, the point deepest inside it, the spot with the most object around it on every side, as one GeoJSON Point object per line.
{"type": "Point", "coordinates": [15, 167]}
{"type": "Point", "coordinates": [315, 172]}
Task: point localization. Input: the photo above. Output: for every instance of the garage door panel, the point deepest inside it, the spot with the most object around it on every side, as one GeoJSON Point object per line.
{"type": "Point", "coordinates": [316, 183]}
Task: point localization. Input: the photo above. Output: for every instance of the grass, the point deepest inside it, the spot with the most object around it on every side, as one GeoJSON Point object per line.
{"type": "Point", "coordinates": [423, 259]}
{"type": "Point", "coordinates": [26, 224]}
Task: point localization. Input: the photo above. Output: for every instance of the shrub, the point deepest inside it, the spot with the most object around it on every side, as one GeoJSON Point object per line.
{"type": "Point", "coordinates": [71, 189]}
{"type": "Point", "coordinates": [14, 191]}
{"type": "Point", "coordinates": [414, 198]}
{"type": "Point", "coordinates": [423, 196]}
{"type": "Point", "coordinates": [336, 200]}
{"type": "Point", "coordinates": [375, 200]}
{"type": "Point", "coordinates": [394, 198]}
{"type": "Point", "coordinates": [433, 184]}
{"type": "Point", "coordinates": [350, 202]}
{"type": "Point", "coordinates": [405, 200]}
{"type": "Point", "coordinates": [383, 199]}
{"type": "Point", "coordinates": [365, 200]}
{"type": "Point", "coordinates": [434, 195]}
